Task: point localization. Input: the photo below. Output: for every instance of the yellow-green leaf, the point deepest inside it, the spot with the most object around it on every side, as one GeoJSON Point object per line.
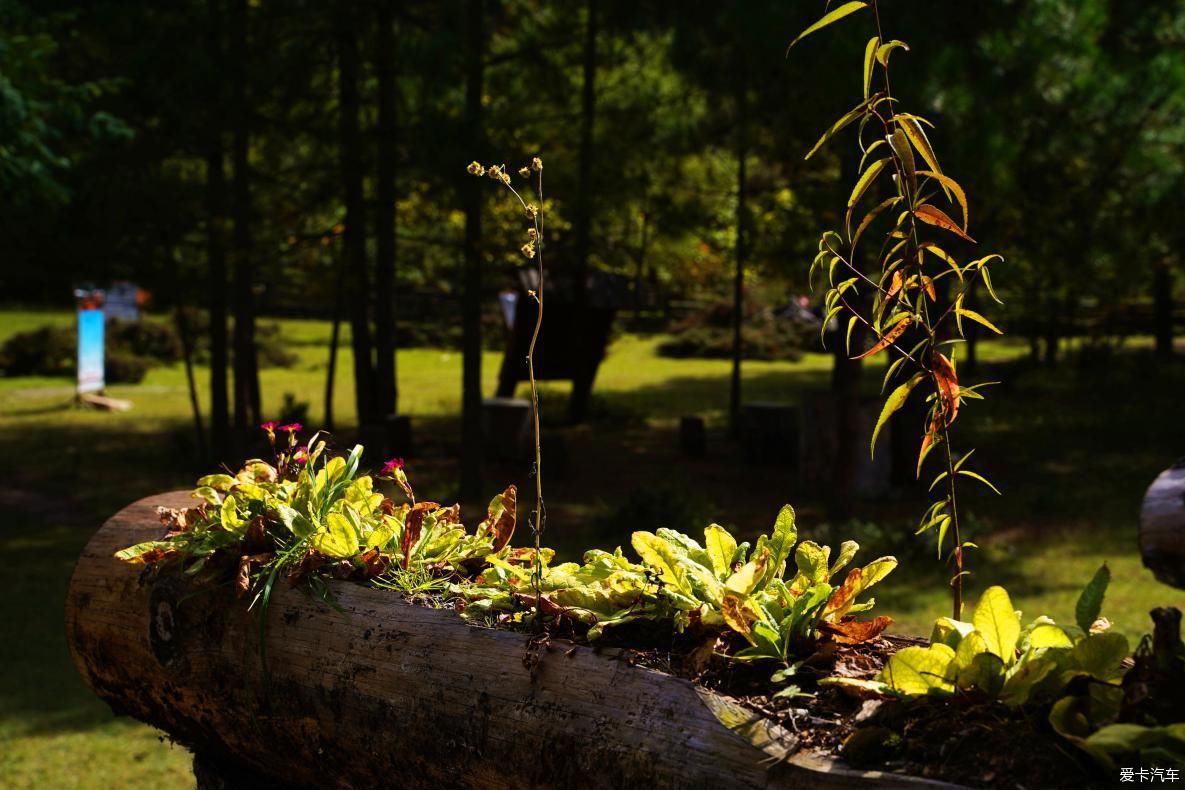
{"type": "Point", "coordinates": [979, 319]}
{"type": "Point", "coordinates": [952, 189]}
{"type": "Point", "coordinates": [917, 136]}
{"type": "Point", "coordinates": [900, 145]}
{"type": "Point", "coordinates": [996, 621]}
{"type": "Point", "coordinates": [843, 122]}
{"type": "Point", "coordinates": [893, 404]}
{"type": "Point", "coordinates": [884, 50]}
{"type": "Point", "coordinates": [862, 185]}
{"type": "Point", "coordinates": [833, 16]}
{"type": "Point", "coordinates": [721, 546]}
{"type": "Point", "coordinates": [920, 670]}
{"type": "Point", "coordinates": [869, 59]}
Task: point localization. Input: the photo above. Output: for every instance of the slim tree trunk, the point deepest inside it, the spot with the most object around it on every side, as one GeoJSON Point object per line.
{"type": "Point", "coordinates": [215, 245]}
{"type": "Point", "coordinates": [355, 232]}
{"type": "Point", "coordinates": [583, 215]}
{"type": "Point", "coordinates": [187, 352]}
{"type": "Point", "coordinates": [845, 400]}
{"type": "Point", "coordinates": [471, 433]}
{"type": "Point", "coordinates": [738, 284]}
{"type": "Point", "coordinates": [246, 384]}
{"type": "Point", "coordinates": [335, 333]}
{"type": "Point", "coordinates": [1162, 301]}
{"type": "Point", "coordinates": [384, 274]}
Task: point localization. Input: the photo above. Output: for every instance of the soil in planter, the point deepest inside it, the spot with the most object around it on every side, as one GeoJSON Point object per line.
{"type": "Point", "coordinates": [949, 739]}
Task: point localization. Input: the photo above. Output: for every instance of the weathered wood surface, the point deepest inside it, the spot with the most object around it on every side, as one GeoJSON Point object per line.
{"type": "Point", "coordinates": [1162, 526]}
{"type": "Point", "coordinates": [391, 694]}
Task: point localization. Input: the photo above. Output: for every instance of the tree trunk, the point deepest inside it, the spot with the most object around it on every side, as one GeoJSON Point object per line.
{"type": "Point", "coordinates": [187, 353]}
{"type": "Point", "coordinates": [215, 245]}
{"type": "Point", "coordinates": [741, 248]}
{"type": "Point", "coordinates": [246, 380]}
{"type": "Point", "coordinates": [1162, 300]}
{"type": "Point", "coordinates": [471, 436]}
{"type": "Point", "coordinates": [334, 335]}
{"type": "Point", "coordinates": [845, 394]}
{"type": "Point", "coordinates": [384, 229]}
{"type": "Point", "coordinates": [350, 141]}
{"type": "Point", "coordinates": [384, 693]}
{"type": "Point", "coordinates": [582, 219]}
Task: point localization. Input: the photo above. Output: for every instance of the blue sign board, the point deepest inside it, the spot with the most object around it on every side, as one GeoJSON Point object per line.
{"type": "Point", "coordinates": [90, 351]}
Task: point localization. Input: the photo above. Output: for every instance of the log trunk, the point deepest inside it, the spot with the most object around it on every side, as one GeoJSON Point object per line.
{"type": "Point", "coordinates": [389, 693]}
{"type": "Point", "coordinates": [1162, 526]}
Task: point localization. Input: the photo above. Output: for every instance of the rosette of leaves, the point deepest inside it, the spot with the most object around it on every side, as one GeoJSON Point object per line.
{"type": "Point", "coordinates": [321, 518]}
{"type": "Point", "coordinates": [719, 585]}
{"type": "Point", "coordinates": [994, 657]}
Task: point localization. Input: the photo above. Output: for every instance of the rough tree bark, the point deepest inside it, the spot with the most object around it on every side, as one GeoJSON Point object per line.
{"type": "Point", "coordinates": [386, 693]}
{"type": "Point", "coordinates": [582, 218]}
{"type": "Point", "coordinates": [386, 391]}
{"type": "Point", "coordinates": [350, 142]}
{"type": "Point", "coordinates": [471, 434]}
{"type": "Point", "coordinates": [741, 249]}
{"type": "Point", "coordinates": [215, 243]}
{"type": "Point", "coordinates": [246, 366]}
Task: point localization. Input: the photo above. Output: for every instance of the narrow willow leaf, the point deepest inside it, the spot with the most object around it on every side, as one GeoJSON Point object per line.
{"type": "Point", "coordinates": [932, 215]}
{"type": "Point", "coordinates": [952, 189]}
{"type": "Point", "coordinates": [947, 383]}
{"type": "Point", "coordinates": [847, 118]}
{"type": "Point", "coordinates": [900, 145]}
{"type": "Point", "coordinates": [862, 184]}
{"type": "Point", "coordinates": [893, 404]}
{"type": "Point", "coordinates": [987, 280]}
{"type": "Point", "coordinates": [1090, 602]}
{"type": "Point", "coordinates": [888, 338]}
{"type": "Point", "coordinates": [917, 136]}
{"type": "Point", "coordinates": [868, 151]}
{"type": "Point", "coordinates": [890, 371]}
{"type": "Point", "coordinates": [829, 18]}
{"type": "Point", "coordinates": [943, 256]}
{"type": "Point", "coordinates": [876, 211]}
{"type": "Point", "coordinates": [851, 326]}
{"type": "Point", "coordinates": [884, 50]}
{"type": "Point", "coordinates": [832, 313]}
{"type": "Point", "coordinates": [928, 444]}
{"type": "Point", "coordinates": [869, 59]}
{"type": "Point", "coordinates": [979, 319]}
{"type": "Point", "coordinates": [943, 526]}
{"type": "Point", "coordinates": [980, 478]}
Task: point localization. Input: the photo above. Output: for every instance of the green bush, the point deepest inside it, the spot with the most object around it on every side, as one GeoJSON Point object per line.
{"type": "Point", "coordinates": [765, 334]}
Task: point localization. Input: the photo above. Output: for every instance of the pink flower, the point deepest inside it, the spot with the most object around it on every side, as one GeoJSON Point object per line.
{"type": "Point", "coordinates": [390, 467]}
{"type": "Point", "coordinates": [291, 427]}
{"type": "Point", "coordinates": [267, 426]}
{"type": "Point", "coordinates": [301, 454]}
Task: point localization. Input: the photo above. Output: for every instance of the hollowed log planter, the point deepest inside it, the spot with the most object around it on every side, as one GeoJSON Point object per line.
{"type": "Point", "coordinates": [392, 694]}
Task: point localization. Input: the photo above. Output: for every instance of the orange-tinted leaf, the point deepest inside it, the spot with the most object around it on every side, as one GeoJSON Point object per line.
{"type": "Point", "coordinates": [500, 518]}
{"type": "Point", "coordinates": [412, 527]}
{"type": "Point", "coordinates": [927, 446]}
{"type": "Point", "coordinates": [932, 215]}
{"type": "Point", "coordinates": [888, 338]}
{"type": "Point", "coordinates": [948, 386]}
{"type": "Point", "coordinates": [854, 632]}
{"type": "Point", "coordinates": [928, 284]}
{"type": "Point", "coordinates": [845, 591]}
{"type": "Point", "coordinates": [894, 284]}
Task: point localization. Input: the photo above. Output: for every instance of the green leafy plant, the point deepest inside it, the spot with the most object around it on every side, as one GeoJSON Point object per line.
{"type": "Point", "coordinates": [994, 657]}
{"type": "Point", "coordinates": [896, 298]}
{"type": "Point", "coordinates": [717, 586]}
{"type": "Point", "coordinates": [310, 516]}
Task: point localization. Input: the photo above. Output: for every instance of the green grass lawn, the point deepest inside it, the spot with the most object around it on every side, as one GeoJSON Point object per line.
{"type": "Point", "coordinates": [1072, 449]}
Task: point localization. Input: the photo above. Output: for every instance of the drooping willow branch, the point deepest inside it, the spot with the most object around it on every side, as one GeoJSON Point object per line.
{"type": "Point", "coordinates": [532, 249]}
{"type": "Point", "coordinates": [904, 283]}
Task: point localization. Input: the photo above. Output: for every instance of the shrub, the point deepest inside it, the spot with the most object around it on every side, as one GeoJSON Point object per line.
{"type": "Point", "coordinates": [121, 368]}
{"type": "Point", "coordinates": [765, 333]}
{"type": "Point", "coordinates": [152, 339]}
{"type": "Point", "coordinates": [48, 351]}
